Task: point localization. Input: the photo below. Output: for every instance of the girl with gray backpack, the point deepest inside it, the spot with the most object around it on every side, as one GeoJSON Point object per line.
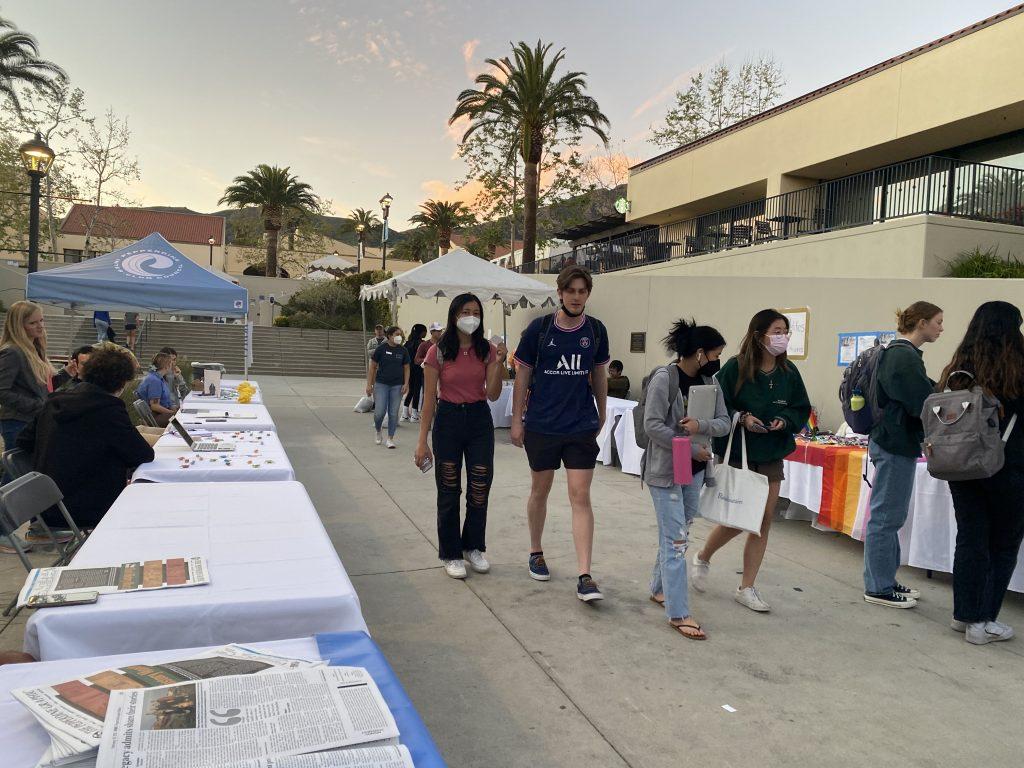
{"type": "Point", "coordinates": [989, 510]}
{"type": "Point", "coordinates": [697, 349]}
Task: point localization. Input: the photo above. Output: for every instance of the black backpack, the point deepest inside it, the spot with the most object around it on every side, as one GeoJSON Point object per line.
{"type": "Point", "coordinates": [545, 327]}
{"type": "Point", "coordinates": [858, 391]}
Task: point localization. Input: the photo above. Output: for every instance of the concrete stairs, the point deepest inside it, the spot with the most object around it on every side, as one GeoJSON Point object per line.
{"type": "Point", "coordinates": [276, 351]}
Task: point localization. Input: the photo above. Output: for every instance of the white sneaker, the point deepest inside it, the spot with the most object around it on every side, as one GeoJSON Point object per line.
{"type": "Point", "coordinates": [455, 568]}
{"type": "Point", "coordinates": [379, 438]}
{"type": "Point", "coordinates": [405, 414]}
{"type": "Point", "coordinates": [414, 417]}
{"type": "Point", "coordinates": [391, 443]}
{"type": "Point", "coordinates": [750, 598]}
{"type": "Point", "coordinates": [699, 573]}
{"type": "Point", "coordinates": [477, 561]}
{"type": "Point", "coordinates": [958, 626]}
{"type": "Point", "coordinates": [982, 633]}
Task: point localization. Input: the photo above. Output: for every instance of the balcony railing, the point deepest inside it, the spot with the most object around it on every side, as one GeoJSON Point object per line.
{"type": "Point", "coordinates": [932, 184]}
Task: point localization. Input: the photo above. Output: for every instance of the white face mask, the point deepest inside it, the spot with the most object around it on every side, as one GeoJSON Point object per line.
{"type": "Point", "coordinates": [468, 324]}
{"type": "Point", "coordinates": [398, 339]}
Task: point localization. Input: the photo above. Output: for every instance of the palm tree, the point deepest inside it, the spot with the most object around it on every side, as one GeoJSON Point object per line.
{"type": "Point", "coordinates": [527, 95]}
{"type": "Point", "coordinates": [442, 218]}
{"type": "Point", "coordinates": [278, 194]}
{"type": "Point", "coordinates": [20, 64]}
{"type": "Point", "coordinates": [361, 216]}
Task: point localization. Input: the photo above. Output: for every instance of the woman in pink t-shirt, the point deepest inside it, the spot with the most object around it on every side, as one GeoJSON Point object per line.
{"type": "Point", "coordinates": [461, 372]}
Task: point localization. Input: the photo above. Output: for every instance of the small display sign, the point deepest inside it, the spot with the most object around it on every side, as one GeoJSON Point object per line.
{"type": "Point", "coordinates": [638, 342]}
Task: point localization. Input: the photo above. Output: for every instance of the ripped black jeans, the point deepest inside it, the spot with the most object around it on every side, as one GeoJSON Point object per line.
{"type": "Point", "coordinates": [462, 431]}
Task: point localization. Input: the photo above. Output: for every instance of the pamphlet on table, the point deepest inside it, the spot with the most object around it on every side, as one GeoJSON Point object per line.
{"type": "Point", "coordinates": [73, 711]}
{"type": "Point", "coordinates": [228, 721]}
{"type": "Point", "coordinates": [48, 583]}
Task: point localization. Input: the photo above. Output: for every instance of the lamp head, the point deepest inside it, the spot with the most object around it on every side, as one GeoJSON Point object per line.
{"type": "Point", "coordinates": [37, 156]}
{"type": "Point", "coordinates": [211, 241]}
{"type": "Point", "coordinates": [385, 203]}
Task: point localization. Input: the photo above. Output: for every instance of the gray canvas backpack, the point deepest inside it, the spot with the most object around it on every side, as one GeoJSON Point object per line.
{"type": "Point", "coordinates": [961, 433]}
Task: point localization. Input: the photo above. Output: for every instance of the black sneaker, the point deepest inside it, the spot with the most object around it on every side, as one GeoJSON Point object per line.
{"type": "Point", "coordinates": [892, 599]}
{"type": "Point", "coordinates": [900, 589]}
{"type": "Point", "coordinates": [539, 568]}
{"type": "Point", "coordinates": [587, 591]}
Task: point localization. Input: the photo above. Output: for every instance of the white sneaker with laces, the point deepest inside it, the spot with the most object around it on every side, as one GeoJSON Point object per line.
{"type": "Point", "coordinates": [1002, 631]}
{"type": "Point", "coordinates": [750, 597]}
{"type": "Point", "coordinates": [379, 438]}
{"type": "Point", "coordinates": [414, 416]}
{"type": "Point", "coordinates": [391, 443]}
{"type": "Point", "coordinates": [699, 573]}
{"type": "Point", "coordinates": [455, 568]}
{"type": "Point", "coordinates": [405, 414]}
{"type": "Point", "coordinates": [477, 561]}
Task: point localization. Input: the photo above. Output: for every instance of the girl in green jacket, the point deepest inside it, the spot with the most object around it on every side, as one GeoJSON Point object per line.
{"type": "Point", "coordinates": [766, 390]}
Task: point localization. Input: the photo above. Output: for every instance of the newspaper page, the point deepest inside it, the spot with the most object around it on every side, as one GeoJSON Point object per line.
{"type": "Point", "coordinates": [73, 711]}
{"type": "Point", "coordinates": [213, 723]}
{"type": "Point", "coordinates": [356, 757]}
{"type": "Point", "coordinates": [127, 577]}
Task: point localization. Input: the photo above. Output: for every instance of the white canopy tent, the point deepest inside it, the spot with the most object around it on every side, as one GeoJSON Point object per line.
{"type": "Point", "coordinates": [331, 262]}
{"type": "Point", "coordinates": [319, 275]}
{"type": "Point", "coordinates": [458, 272]}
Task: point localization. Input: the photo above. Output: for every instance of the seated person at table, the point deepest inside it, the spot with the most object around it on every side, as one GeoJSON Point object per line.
{"type": "Point", "coordinates": [85, 441]}
{"type": "Point", "coordinates": [618, 385]}
{"type": "Point", "coordinates": [175, 381]}
{"type": "Point", "coordinates": [154, 389]}
{"type": "Point", "coordinates": [71, 375]}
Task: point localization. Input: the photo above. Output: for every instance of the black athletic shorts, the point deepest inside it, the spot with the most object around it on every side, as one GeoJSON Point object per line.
{"type": "Point", "coordinates": [578, 451]}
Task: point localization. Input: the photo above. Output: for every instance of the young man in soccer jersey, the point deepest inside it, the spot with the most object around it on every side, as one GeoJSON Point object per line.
{"type": "Point", "coordinates": [561, 359]}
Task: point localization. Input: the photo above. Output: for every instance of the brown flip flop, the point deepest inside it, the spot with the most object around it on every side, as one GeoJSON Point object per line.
{"type": "Point", "coordinates": [656, 601]}
{"type": "Point", "coordinates": [695, 627]}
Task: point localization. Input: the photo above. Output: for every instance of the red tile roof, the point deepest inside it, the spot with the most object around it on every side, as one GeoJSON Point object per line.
{"type": "Point", "coordinates": [895, 60]}
{"type": "Point", "coordinates": [137, 223]}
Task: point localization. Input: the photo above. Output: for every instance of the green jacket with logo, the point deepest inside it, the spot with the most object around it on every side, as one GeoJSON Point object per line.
{"type": "Point", "coordinates": [903, 386]}
{"type": "Point", "coordinates": [776, 395]}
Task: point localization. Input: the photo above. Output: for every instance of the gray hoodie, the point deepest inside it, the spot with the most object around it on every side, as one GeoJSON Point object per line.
{"type": "Point", "coordinates": [663, 410]}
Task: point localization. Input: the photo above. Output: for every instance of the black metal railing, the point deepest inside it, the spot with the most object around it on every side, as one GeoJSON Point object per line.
{"type": "Point", "coordinates": [932, 184]}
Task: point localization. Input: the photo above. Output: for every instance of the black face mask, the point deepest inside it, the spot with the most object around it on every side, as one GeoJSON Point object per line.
{"type": "Point", "coordinates": [710, 368]}
{"type": "Point", "coordinates": [570, 313]}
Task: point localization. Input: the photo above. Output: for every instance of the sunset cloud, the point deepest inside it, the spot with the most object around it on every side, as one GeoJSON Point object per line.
{"type": "Point", "coordinates": [435, 189]}
{"type": "Point", "coordinates": [468, 50]}
{"type": "Point", "coordinates": [678, 83]}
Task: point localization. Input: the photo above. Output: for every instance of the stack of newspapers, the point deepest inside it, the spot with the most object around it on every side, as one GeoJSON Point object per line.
{"type": "Point", "coordinates": [232, 707]}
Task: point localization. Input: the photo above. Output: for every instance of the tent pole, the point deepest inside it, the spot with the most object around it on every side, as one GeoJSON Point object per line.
{"type": "Point", "coordinates": [504, 323]}
{"type": "Point", "coordinates": [362, 309]}
{"type": "Point", "coordinates": [245, 349]}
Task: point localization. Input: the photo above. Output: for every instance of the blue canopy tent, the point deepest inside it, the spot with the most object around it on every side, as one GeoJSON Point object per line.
{"type": "Point", "coordinates": [150, 276]}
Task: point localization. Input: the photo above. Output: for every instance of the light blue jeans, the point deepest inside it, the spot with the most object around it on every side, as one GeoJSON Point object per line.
{"type": "Point", "coordinates": [675, 507]}
{"type": "Point", "coordinates": [890, 501]}
{"type": "Point", "coordinates": [386, 399]}
{"type": "Point", "coordinates": [101, 331]}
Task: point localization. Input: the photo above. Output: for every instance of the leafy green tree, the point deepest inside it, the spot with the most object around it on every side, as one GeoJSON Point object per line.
{"type": "Point", "coordinates": [20, 64]}
{"type": "Point", "coordinates": [279, 195]}
{"type": "Point", "coordinates": [526, 93]}
{"type": "Point", "coordinates": [418, 244]}
{"type": "Point", "coordinates": [719, 98]}
{"type": "Point", "coordinates": [335, 305]}
{"type": "Point", "coordinates": [442, 219]}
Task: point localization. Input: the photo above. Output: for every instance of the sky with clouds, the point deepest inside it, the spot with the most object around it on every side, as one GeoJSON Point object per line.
{"type": "Point", "coordinates": [355, 96]}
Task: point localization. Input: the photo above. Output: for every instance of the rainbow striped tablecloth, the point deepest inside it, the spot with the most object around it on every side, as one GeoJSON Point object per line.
{"type": "Point", "coordinates": [829, 481]}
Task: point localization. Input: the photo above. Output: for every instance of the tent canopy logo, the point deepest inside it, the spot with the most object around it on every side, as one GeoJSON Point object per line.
{"type": "Point", "coordinates": [148, 265]}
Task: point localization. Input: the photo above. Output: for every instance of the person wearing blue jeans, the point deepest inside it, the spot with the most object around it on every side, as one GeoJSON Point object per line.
{"type": "Point", "coordinates": [665, 408]}
{"type": "Point", "coordinates": [387, 381]}
{"type": "Point", "coordinates": [101, 322]}
{"type": "Point", "coordinates": [900, 391]}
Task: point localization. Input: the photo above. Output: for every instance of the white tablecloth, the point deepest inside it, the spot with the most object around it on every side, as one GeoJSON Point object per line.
{"type": "Point", "coordinates": [25, 740]}
{"type": "Point", "coordinates": [630, 454]}
{"type": "Point", "coordinates": [501, 409]}
{"type": "Point", "coordinates": [274, 573]}
{"type": "Point", "coordinates": [198, 399]}
{"type": "Point", "coordinates": [613, 410]}
{"type": "Point", "coordinates": [256, 456]}
{"type": "Point", "coordinates": [927, 540]}
{"type": "Point", "coordinates": [230, 412]}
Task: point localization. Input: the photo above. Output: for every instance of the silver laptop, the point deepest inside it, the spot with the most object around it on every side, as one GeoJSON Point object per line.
{"type": "Point", "coordinates": [201, 446]}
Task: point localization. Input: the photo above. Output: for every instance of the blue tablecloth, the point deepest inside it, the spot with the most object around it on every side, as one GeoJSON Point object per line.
{"type": "Point", "coordinates": [356, 649]}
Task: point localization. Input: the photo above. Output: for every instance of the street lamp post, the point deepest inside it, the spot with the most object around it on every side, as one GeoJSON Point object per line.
{"type": "Point", "coordinates": [211, 241]}
{"type": "Point", "coordinates": [37, 158]}
{"type": "Point", "coordinates": [361, 229]}
{"type": "Point", "coordinates": [385, 206]}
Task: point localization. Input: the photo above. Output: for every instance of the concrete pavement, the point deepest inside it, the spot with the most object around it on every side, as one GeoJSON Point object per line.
{"type": "Point", "coordinates": [510, 672]}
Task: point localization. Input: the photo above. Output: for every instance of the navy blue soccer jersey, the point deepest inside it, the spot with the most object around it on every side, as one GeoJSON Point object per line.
{"type": "Point", "coordinates": [561, 399]}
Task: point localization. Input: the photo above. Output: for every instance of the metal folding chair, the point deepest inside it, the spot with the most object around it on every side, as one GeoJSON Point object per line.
{"type": "Point", "coordinates": [145, 413]}
{"type": "Point", "coordinates": [24, 500]}
{"type": "Point", "coordinates": [15, 462]}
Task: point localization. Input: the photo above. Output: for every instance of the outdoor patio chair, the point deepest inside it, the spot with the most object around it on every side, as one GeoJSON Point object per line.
{"type": "Point", "coordinates": [145, 413]}
{"type": "Point", "coordinates": [25, 500]}
{"type": "Point", "coordinates": [765, 232]}
{"type": "Point", "coordinates": [692, 245]}
{"type": "Point", "coordinates": [740, 235]}
{"type": "Point", "coordinates": [16, 462]}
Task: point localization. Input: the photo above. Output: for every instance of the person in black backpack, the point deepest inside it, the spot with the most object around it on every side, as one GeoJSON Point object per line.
{"type": "Point", "coordinates": [697, 349]}
{"type": "Point", "coordinates": [894, 448]}
{"type": "Point", "coordinates": [562, 359]}
{"type": "Point", "coordinates": [989, 512]}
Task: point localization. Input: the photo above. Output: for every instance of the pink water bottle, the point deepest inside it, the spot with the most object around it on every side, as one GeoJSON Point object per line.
{"type": "Point", "coordinates": [682, 457]}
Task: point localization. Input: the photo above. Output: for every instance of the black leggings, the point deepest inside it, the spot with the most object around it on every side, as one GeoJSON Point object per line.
{"type": "Point", "coordinates": [415, 396]}
{"type": "Point", "coordinates": [462, 431]}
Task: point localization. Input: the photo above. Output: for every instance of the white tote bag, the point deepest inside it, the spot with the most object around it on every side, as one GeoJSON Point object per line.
{"type": "Point", "coordinates": [738, 497]}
